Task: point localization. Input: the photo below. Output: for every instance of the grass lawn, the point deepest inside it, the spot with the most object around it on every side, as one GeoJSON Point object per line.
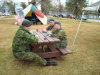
{"type": "Point", "coordinates": [85, 59]}
{"type": "Point", "coordinates": [8, 16]}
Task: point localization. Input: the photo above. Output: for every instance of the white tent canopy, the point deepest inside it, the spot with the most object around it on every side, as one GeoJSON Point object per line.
{"type": "Point", "coordinates": [27, 12]}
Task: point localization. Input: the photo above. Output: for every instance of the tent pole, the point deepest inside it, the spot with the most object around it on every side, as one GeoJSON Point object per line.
{"type": "Point", "coordinates": [78, 29]}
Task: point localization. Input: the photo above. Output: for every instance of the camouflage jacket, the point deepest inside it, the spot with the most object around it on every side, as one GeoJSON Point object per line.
{"type": "Point", "coordinates": [49, 28]}
{"type": "Point", "coordinates": [23, 40]}
{"type": "Point", "coordinates": [60, 34]}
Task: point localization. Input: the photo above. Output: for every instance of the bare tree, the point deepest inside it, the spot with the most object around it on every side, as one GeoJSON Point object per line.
{"type": "Point", "coordinates": [23, 5]}
{"type": "Point", "coordinates": [57, 7]}
{"type": "Point", "coordinates": [9, 4]}
{"type": "Point", "coordinates": [75, 6]}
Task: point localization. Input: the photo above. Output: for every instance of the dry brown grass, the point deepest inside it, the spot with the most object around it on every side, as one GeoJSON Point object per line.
{"type": "Point", "coordinates": [85, 59]}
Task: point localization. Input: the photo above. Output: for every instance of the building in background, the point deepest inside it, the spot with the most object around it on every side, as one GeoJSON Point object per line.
{"type": "Point", "coordinates": [93, 11]}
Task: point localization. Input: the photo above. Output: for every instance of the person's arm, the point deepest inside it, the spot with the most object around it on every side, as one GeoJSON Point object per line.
{"type": "Point", "coordinates": [49, 32]}
{"type": "Point", "coordinates": [30, 38]}
{"type": "Point", "coordinates": [53, 33]}
{"type": "Point", "coordinates": [59, 35]}
{"type": "Point", "coordinates": [48, 28]}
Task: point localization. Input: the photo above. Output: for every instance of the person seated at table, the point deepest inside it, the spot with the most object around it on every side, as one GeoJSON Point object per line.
{"type": "Point", "coordinates": [21, 45]}
{"type": "Point", "coordinates": [51, 25]}
{"type": "Point", "coordinates": [60, 34]}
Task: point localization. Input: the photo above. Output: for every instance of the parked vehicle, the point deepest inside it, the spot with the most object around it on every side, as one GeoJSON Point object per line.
{"type": "Point", "coordinates": [60, 15]}
{"type": "Point", "coordinates": [83, 18]}
{"type": "Point", "coordinates": [55, 16]}
{"type": "Point", "coordinates": [71, 17]}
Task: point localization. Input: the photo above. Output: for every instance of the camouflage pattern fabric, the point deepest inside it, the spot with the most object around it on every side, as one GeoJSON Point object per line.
{"type": "Point", "coordinates": [60, 34]}
{"type": "Point", "coordinates": [49, 28]}
{"type": "Point", "coordinates": [21, 46]}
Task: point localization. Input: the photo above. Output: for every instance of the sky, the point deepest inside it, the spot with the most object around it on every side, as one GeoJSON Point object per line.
{"type": "Point", "coordinates": [62, 1]}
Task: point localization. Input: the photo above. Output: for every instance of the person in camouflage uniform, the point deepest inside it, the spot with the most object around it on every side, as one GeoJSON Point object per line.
{"type": "Point", "coordinates": [51, 25]}
{"type": "Point", "coordinates": [21, 45]}
{"type": "Point", "coordinates": [60, 34]}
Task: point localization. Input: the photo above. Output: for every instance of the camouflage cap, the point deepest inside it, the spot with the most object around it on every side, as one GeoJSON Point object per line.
{"type": "Point", "coordinates": [26, 23]}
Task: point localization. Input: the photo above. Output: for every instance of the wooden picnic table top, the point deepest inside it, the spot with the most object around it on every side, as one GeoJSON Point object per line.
{"type": "Point", "coordinates": [43, 39]}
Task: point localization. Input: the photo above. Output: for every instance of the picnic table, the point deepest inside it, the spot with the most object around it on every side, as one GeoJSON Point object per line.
{"type": "Point", "coordinates": [49, 42]}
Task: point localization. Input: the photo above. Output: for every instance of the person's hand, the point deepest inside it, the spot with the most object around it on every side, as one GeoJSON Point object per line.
{"type": "Point", "coordinates": [35, 30]}
{"type": "Point", "coordinates": [36, 36]}
{"type": "Point", "coordinates": [44, 31]}
{"type": "Point", "coordinates": [31, 31]}
{"type": "Point", "coordinates": [49, 32]}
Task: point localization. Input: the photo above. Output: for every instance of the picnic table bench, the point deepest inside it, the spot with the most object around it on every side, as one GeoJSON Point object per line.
{"type": "Point", "coordinates": [49, 42]}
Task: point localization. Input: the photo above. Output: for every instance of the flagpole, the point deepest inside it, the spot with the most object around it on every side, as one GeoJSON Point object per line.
{"type": "Point", "coordinates": [78, 30]}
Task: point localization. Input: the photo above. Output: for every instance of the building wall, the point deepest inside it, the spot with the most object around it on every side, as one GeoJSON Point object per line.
{"type": "Point", "coordinates": [93, 14]}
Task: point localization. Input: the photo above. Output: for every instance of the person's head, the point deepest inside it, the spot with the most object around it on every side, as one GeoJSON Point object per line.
{"type": "Point", "coordinates": [57, 25]}
{"type": "Point", "coordinates": [51, 22]}
{"type": "Point", "coordinates": [26, 24]}
{"type": "Point", "coordinates": [33, 2]}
